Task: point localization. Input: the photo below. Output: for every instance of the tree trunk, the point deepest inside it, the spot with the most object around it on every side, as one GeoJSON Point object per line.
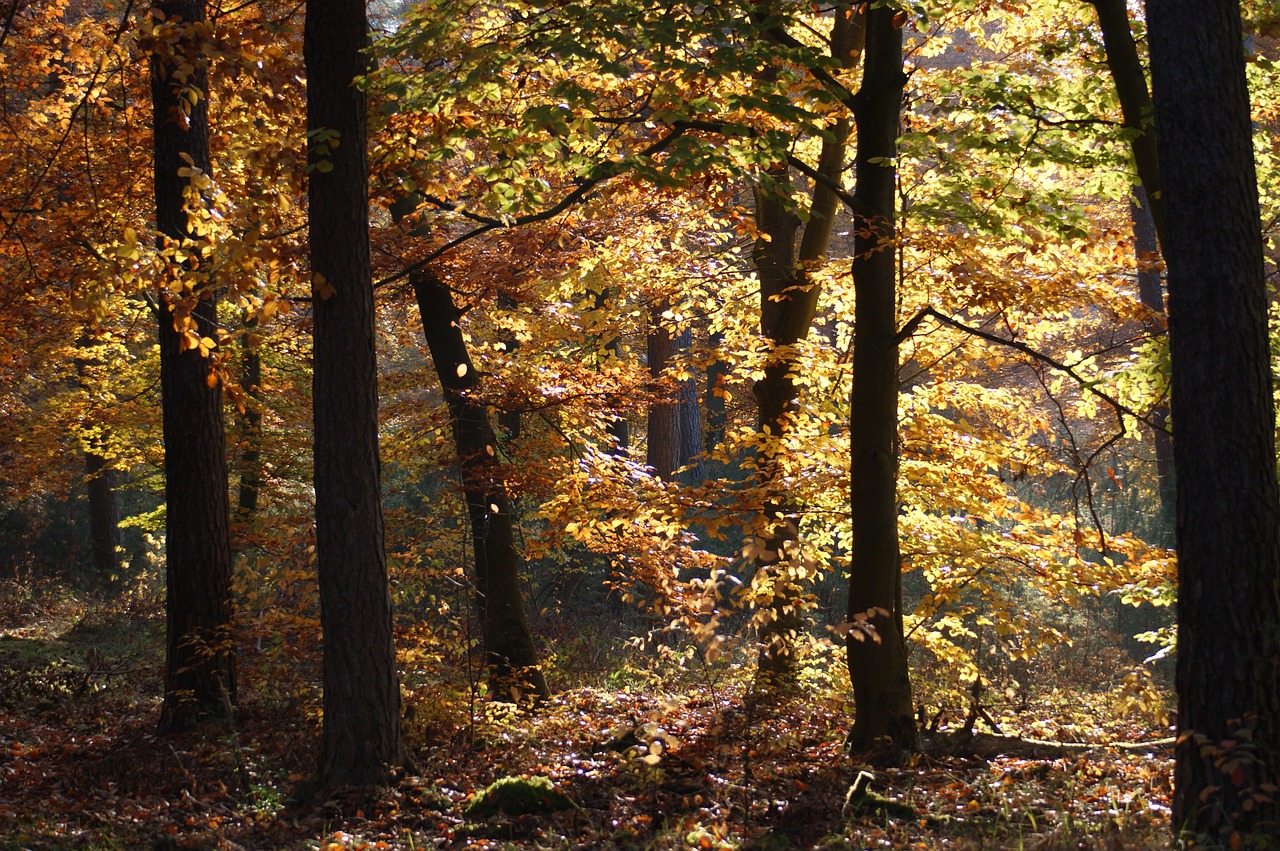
{"type": "Point", "coordinates": [788, 304]}
{"type": "Point", "coordinates": [200, 672]}
{"type": "Point", "coordinates": [104, 513]}
{"type": "Point", "coordinates": [510, 655]}
{"type": "Point", "coordinates": [1228, 523]}
{"type": "Point", "coordinates": [101, 482]}
{"type": "Point", "coordinates": [877, 668]}
{"type": "Point", "coordinates": [250, 432]}
{"type": "Point", "coordinates": [361, 742]}
{"type": "Point", "coordinates": [1135, 101]}
{"type": "Point", "coordinates": [675, 427]}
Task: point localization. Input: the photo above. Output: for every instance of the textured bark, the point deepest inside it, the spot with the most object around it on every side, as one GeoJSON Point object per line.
{"type": "Point", "coordinates": [717, 414]}
{"type": "Point", "coordinates": [200, 673]}
{"type": "Point", "coordinates": [674, 437]}
{"type": "Point", "coordinates": [510, 655]}
{"type": "Point", "coordinates": [361, 742]}
{"type": "Point", "coordinates": [1228, 523]}
{"type": "Point", "coordinates": [877, 669]}
{"type": "Point", "coordinates": [788, 303]}
{"type": "Point", "coordinates": [1130, 81]}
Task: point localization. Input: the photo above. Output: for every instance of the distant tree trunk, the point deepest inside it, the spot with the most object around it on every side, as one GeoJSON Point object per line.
{"type": "Point", "coordinates": [1151, 294]}
{"type": "Point", "coordinates": [675, 426]}
{"type": "Point", "coordinates": [510, 655]}
{"type": "Point", "coordinates": [877, 668]}
{"type": "Point", "coordinates": [361, 743]}
{"type": "Point", "coordinates": [101, 482]}
{"type": "Point", "coordinates": [250, 431]}
{"type": "Point", "coordinates": [1228, 526]}
{"type": "Point", "coordinates": [717, 414]}
{"type": "Point", "coordinates": [104, 513]}
{"type": "Point", "coordinates": [788, 304]}
{"type": "Point", "coordinates": [200, 671]}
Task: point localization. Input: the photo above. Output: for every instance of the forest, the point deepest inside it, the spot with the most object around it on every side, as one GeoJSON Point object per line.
{"type": "Point", "coordinates": [639, 424]}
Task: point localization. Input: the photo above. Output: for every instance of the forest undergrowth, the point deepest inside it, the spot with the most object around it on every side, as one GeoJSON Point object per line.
{"type": "Point", "coordinates": [647, 755]}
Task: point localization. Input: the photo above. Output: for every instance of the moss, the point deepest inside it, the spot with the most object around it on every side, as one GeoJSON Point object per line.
{"type": "Point", "coordinates": [519, 796]}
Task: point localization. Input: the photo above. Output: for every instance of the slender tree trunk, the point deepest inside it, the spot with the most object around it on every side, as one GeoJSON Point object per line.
{"type": "Point", "coordinates": [675, 427]}
{"type": "Point", "coordinates": [1228, 525]}
{"type": "Point", "coordinates": [361, 742]}
{"type": "Point", "coordinates": [510, 655]}
{"type": "Point", "coordinates": [101, 482]}
{"type": "Point", "coordinates": [1135, 101]}
{"type": "Point", "coordinates": [717, 414]}
{"type": "Point", "coordinates": [104, 513]}
{"type": "Point", "coordinates": [788, 304]}
{"type": "Point", "coordinates": [200, 672]}
{"type": "Point", "coordinates": [877, 668]}
{"type": "Point", "coordinates": [250, 432]}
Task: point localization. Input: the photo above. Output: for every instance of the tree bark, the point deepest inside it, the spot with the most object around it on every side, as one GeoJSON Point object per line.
{"type": "Point", "coordinates": [788, 304]}
{"type": "Point", "coordinates": [1228, 523]}
{"type": "Point", "coordinates": [361, 742]}
{"type": "Point", "coordinates": [674, 436]}
{"type": "Point", "coordinates": [877, 668]}
{"type": "Point", "coordinates": [1135, 101]}
{"type": "Point", "coordinates": [510, 655]}
{"type": "Point", "coordinates": [200, 672]}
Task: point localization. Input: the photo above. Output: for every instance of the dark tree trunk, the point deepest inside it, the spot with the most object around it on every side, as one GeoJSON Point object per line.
{"type": "Point", "coordinates": [250, 432]}
{"type": "Point", "coordinates": [101, 482]}
{"type": "Point", "coordinates": [104, 513]}
{"type": "Point", "coordinates": [877, 668]}
{"type": "Point", "coordinates": [1228, 524]}
{"type": "Point", "coordinates": [675, 428]}
{"type": "Point", "coordinates": [200, 673]}
{"type": "Point", "coordinates": [1135, 101]}
{"type": "Point", "coordinates": [510, 655]}
{"type": "Point", "coordinates": [788, 303]}
{"type": "Point", "coordinates": [717, 414]}
{"type": "Point", "coordinates": [361, 743]}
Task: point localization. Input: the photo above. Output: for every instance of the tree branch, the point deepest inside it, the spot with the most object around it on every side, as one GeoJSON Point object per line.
{"type": "Point", "coordinates": [1085, 384]}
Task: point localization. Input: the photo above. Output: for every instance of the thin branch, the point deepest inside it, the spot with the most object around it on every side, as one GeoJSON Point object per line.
{"type": "Point", "coordinates": [1085, 384]}
{"type": "Point", "coordinates": [599, 174]}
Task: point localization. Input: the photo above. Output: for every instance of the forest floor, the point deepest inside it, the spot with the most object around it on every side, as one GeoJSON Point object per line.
{"type": "Point", "coordinates": [81, 765]}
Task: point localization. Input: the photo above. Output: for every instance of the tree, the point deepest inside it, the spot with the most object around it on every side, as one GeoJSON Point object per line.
{"type": "Point", "coordinates": [1228, 518]}
{"type": "Point", "coordinates": [877, 663]}
{"type": "Point", "coordinates": [200, 673]}
{"type": "Point", "coordinates": [674, 435]}
{"type": "Point", "coordinates": [361, 741]}
{"type": "Point", "coordinates": [510, 655]}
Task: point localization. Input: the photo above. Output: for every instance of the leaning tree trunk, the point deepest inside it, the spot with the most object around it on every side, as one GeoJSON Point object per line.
{"type": "Point", "coordinates": [361, 741]}
{"type": "Point", "coordinates": [877, 662]}
{"type": "Point", "coordinates": [510, 655]}
{"type": "Point", "coordinates": [1227, 760]}
{"type": "Point", "coordinates": [200, 672]}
